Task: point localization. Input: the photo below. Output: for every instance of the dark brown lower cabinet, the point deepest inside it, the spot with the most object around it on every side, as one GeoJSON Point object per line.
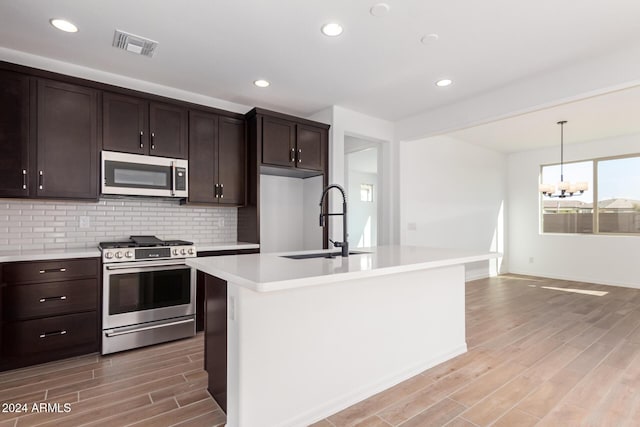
{"type": "Point", "coordinates": [200, 287]}
{"type": "Point", "coordinates": [215, 347]}
{"type": "Point", "coordinates": [49, 310]}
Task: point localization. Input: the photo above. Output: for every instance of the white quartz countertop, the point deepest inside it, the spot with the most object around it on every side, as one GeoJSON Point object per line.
{"type": "Point", "coordinates": [273, 272]}
{"type": "Point", "coordinates": [48, 254]}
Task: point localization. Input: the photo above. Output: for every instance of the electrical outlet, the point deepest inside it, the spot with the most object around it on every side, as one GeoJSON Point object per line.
{"type": "Point", "coordinates": [530, 260]}
{"type": "Point", "coordinates": [220, 222]}
{"type": "Point", "coordinates": [85, 222]}
{"type": "Point", "coordinates": [412, 226]}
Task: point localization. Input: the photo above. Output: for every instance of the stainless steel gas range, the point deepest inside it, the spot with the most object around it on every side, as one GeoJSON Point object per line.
{"type": "Point", "coordinates": [148, 293]}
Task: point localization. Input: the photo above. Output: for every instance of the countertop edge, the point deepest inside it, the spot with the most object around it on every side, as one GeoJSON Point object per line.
{"type": "Point", "coordinates": [52, 254]}
{"type": "Point", "coordinates": [263, 287]}
{"type": "Point", "coordinates": [225, 246]}
{"type": "Point", "coordinates": [45, 256]}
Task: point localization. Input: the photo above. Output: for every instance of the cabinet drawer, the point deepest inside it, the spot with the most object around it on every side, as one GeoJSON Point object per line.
{"type": "Point", "coordinates": [49, 299]}
{"type": "Point", "coordinates": [50, 334]}
{"type": "Point", "coordinates": [46, 271]}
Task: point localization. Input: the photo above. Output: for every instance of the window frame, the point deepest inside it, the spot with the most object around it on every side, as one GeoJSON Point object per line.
{"type": "Point", "coordinates": [596, 214]}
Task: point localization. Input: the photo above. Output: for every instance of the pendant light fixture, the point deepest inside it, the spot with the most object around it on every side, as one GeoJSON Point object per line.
{"type": "Point", "coordinates": [566, 188]}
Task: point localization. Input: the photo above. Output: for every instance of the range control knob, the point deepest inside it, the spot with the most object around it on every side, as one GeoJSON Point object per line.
{"type": "Point", "coordinates": [175, 252]}
{"type": "Point", "coordinates": [108, 255]}
{"type": "Point", "coordinates": [191, 251]}
{"type": "Point", "coordinates": [128, 254]}
{"type": "Point", "coordinates": [118, 254]}
{"type": "Point", "coordinates": [183, 251]}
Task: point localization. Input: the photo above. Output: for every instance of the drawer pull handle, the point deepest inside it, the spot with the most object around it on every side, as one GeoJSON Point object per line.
{"type": "Point", "coordinates": [60, 298]}
{"type": "Point", "coordinates": [53, 270]}
{"type": "Point", "coordinates": [53, 334]}
{"type": "Point", "coordinates": [300, 155]}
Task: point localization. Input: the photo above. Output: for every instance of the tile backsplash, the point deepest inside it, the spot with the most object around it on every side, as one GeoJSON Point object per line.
{"type": "Point", "coordinates": [58, 224]}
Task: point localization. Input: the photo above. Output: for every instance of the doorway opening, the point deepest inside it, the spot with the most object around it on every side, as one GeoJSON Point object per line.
{"type": "Point", "coordinates": [363, 183]}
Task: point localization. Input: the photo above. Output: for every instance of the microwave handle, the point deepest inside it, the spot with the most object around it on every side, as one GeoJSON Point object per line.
{"type": "Point", "coordinates": [173, 178]}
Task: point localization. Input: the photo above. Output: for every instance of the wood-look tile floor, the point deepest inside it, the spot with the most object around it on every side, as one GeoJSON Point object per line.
{"type": "Point", "coordinates": [537, 356]}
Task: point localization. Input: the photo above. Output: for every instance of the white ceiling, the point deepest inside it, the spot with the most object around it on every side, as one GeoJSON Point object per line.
{"type": "Point", "coordinates": [600, 117]}
{"type": "Point", "coordinates": [378, 66]}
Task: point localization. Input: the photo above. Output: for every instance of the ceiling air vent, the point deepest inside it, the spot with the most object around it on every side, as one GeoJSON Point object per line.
{"type": "Point", "coordinates": [134, 44]}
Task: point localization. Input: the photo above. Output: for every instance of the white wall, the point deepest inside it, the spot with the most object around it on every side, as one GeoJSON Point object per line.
{"type": "Point", "coordinates": [606, 259]}
{"type": "Point", "coordinates": [453, 195]}
{"type": "Point", "coordinates": [281, 214]}
{"type": "Point", "coordinates": [311, 230]}
{"type": "Point", "coordinates": [289, 213]}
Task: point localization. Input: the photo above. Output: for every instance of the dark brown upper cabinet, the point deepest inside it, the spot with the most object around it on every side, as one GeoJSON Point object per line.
{"type": "Point", "coordinates": [136, 125]}
{"type": "Point", "coordinates": [67, 141]}
{"type": "Point", "coordinates": [292, 143]}
{"type": "Point", "coordinates": [14, 135]}
{"type": "Point", "coordinates": [217, 159]}
{"type": "Point", "coordinates": [48, 138]}
{"type": "Point", "coordinates": [278, 142]}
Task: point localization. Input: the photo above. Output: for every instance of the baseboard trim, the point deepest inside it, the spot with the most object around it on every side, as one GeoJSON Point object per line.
{"type": "Point", "coordinates": [575, 279]}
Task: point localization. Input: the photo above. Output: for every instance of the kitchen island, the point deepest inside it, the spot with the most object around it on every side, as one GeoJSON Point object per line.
{"type": "Point", "coordinates": [305, 338]}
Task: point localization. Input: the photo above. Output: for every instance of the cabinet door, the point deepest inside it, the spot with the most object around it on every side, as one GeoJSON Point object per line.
{"type": "Point", "coordinates": [203, 155]}
{"type": "Point", "coordinates": [14, 134]}
{"type": "Point", "coordinates": [232, 161]}
{"type": "Point", "coordinates": [125, 126]}
{"type": "Point", "coordinates": [278, 141]}
{"type": "Point", "coordinates": [67, 141]}
{"type": "Point", "coordinates": [309, 146]}
{"type": "Point", "coordinates": [168, 131]}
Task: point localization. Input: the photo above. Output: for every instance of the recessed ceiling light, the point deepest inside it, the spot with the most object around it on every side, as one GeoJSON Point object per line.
{"type": "Point", "coordinates": [332, 29]}
{"type": "Point", "coordinates": [443, 82]}
{"type": "Point", "coordinates": [64, 25]}
{"type": "Point", "coordinates": [429, 38]}
{"type": "Point", "coordinates": [379, 9]}
{"type": "Point", "coordinates": [261, 83]}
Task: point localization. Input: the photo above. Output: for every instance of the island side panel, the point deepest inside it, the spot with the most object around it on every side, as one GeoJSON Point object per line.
{"type": "Point", "coordinates": [297, 356]}
{"type": "Point", "coordinates": [215, 350]}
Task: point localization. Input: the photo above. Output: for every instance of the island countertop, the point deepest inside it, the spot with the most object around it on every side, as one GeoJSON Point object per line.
{"type": "Point", "coordinates": [274, 272]}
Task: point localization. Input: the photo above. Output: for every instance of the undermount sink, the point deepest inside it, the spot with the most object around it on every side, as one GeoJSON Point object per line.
{"type": "Point", "coordinates": [322, 255]}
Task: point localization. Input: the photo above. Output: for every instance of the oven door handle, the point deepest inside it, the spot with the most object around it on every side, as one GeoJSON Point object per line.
{"type": "Point", "coordinates": [111, 333]}
{"type": "Point", "coordinates": [158, 265]}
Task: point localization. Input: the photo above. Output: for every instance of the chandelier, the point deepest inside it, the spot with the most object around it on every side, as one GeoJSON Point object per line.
{"type": "Point", "coordinates": [567, 189]}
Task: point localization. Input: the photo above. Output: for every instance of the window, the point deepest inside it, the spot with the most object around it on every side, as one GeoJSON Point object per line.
{"type": "Point", "coordinates": [573, 214]}
{"type": "Point", "coordinates": [619, 195]}
{"type": "Point", "coordinates": [366, 192]}
{"type": "Point", "coordinates": [613, 182]}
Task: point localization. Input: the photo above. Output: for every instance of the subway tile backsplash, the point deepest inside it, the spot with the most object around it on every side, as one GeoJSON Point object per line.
{"type": "Point", "coordinates": [58, 224]}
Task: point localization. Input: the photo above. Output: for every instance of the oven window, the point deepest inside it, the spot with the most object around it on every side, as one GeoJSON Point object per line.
{"type": "Point", "coordinates": [133, 175]}
{"type": "Point", "coordinates": [130, 292]}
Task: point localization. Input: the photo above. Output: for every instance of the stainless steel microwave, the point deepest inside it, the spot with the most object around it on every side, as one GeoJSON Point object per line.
{"type": "Point", "coordinates": [137, 175]}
